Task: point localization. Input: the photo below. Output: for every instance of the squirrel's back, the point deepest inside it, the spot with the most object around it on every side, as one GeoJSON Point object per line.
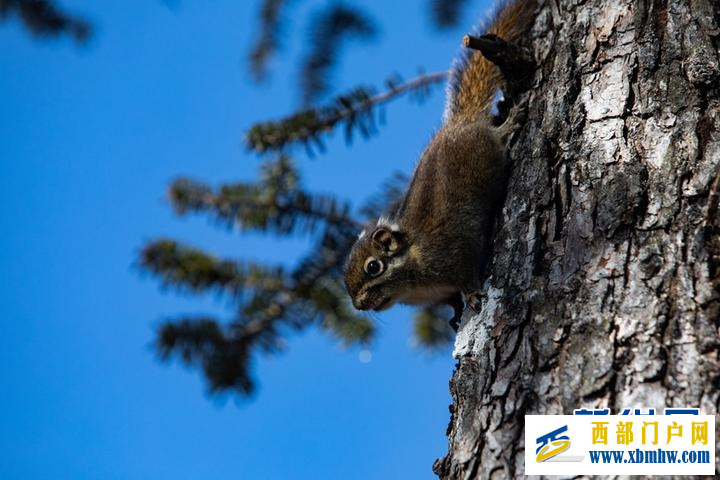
{"type": "Point", "coordinates": [474, 80]}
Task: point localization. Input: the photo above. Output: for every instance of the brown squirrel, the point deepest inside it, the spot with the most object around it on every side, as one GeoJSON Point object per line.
{"type": "Point", "coordinates": [434, 248]}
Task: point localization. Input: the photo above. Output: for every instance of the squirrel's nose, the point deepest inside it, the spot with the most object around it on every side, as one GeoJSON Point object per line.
{"type": "Point", "coordinates": [358, 301]}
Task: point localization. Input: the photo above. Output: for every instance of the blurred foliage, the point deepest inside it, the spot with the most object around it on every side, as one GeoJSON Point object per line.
{"type": "Point", "coordinates": [330, 28]}
{"type": "Point", "coordinates": [271, 301]}
{"type": "Point", "coordinates": [446, 13]}
{"type": "Point", "coordinates": [355, 111]}
{"type": "Point", "coordinates": [431, 327]}
{"type": "Point", "coordinates": [327, 30]}
{"type": "Point", "coordinates": [268, 302]}
{"type": "Point", "coordinates": [268, 41]}
{"type": "Point", "coordinates": [44, 19]}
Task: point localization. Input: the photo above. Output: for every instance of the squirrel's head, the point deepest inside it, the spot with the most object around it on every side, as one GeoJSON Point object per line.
{"type": "Point", "coordinates": [373, 272]}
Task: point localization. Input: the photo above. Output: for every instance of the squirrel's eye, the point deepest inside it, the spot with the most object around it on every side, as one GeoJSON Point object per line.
{"type": "Point", "coordinates": [373, 267]}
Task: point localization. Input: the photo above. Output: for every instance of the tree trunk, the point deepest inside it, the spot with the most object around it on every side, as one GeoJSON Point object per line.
{"type": "Point", "coordinates": [604, 289]}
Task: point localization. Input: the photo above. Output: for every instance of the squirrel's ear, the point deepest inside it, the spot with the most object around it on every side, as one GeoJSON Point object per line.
{"type": "Point", "coordinates": [388, 241]}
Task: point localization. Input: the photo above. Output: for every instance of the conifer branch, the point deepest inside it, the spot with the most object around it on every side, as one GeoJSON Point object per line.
{"type": "Point", "coordinates": [328, 31]}
{"type": "Point", "coordinates": [276, 203]}
{"type": "Point", "coordinates": [446, 13]}
{"type": "Point", "coordinates": [189, 268]}
{"type": "Point", "coordinates": [202, 341]}
{"type": "Point", "coordinates": [267, 42]}
{"type": "Point", "coordinates": [431, 328]}
{"type": "Point", "coordinates": [354, 109]}
{"type": "Point", "coordinates": [224, 353]}
{"type": "Point", "coordinates": [43, 18]}
{"type": "Point", "coordinates": [269, 300]}
{"type": "Point", "coordinates": [386, 201]}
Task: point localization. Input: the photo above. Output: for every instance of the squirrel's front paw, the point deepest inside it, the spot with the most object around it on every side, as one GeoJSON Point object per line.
{"type": "Point", "coordinates": [475, 300]}
{"type": "Point", "coordinates": [455, 322]}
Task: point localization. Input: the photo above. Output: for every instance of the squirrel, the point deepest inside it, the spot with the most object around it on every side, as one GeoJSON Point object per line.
{"type": "Point", "coordinates": [433, 249]}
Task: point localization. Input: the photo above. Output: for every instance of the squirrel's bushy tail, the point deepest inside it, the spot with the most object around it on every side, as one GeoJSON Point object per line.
{"type": "Point", "coordinates": [474, 80]}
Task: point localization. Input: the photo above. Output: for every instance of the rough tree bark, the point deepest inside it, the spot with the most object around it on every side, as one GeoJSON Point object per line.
{"type": "Point", "coordinates": [604, 290]}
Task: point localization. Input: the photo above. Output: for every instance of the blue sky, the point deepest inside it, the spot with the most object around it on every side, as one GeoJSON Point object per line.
{"type": "Point", "coordinates": [89, 139]}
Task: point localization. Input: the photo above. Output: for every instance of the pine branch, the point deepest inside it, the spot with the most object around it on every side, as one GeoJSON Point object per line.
{"type": "Point", "coordinates": [328, 31]}
{"type": "Point", "coordinates": [388, 199]}
{"type": "Point", "coordinates": [44, 19]}
{"type": "Point", "coordinates": [202, 341]}
{"type": "Point", "coordinates": [272, 301]}
{"type": "Point", "coordinates": [354, 109]}
{"type": "Point", "coordinates": [323, 299]}
{"type": "Point", "coordinates": [189, 268]}
{"type": "Point", "coordinates": [276, 203]}
{"type": "Point", "coordinates": [446, 13]}
{"type": "Point", "coordinates": [225, 353]}
{"type": "Point", "coordinates": [329, 296]}
{"type": "Point", "coordinates": [268, 41]}
{"type": "Point", "coordinates": [432, 330]}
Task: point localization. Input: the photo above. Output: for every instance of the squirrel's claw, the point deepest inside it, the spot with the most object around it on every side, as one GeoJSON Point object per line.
{"type": "Point", "coordinates": [475, 301]}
